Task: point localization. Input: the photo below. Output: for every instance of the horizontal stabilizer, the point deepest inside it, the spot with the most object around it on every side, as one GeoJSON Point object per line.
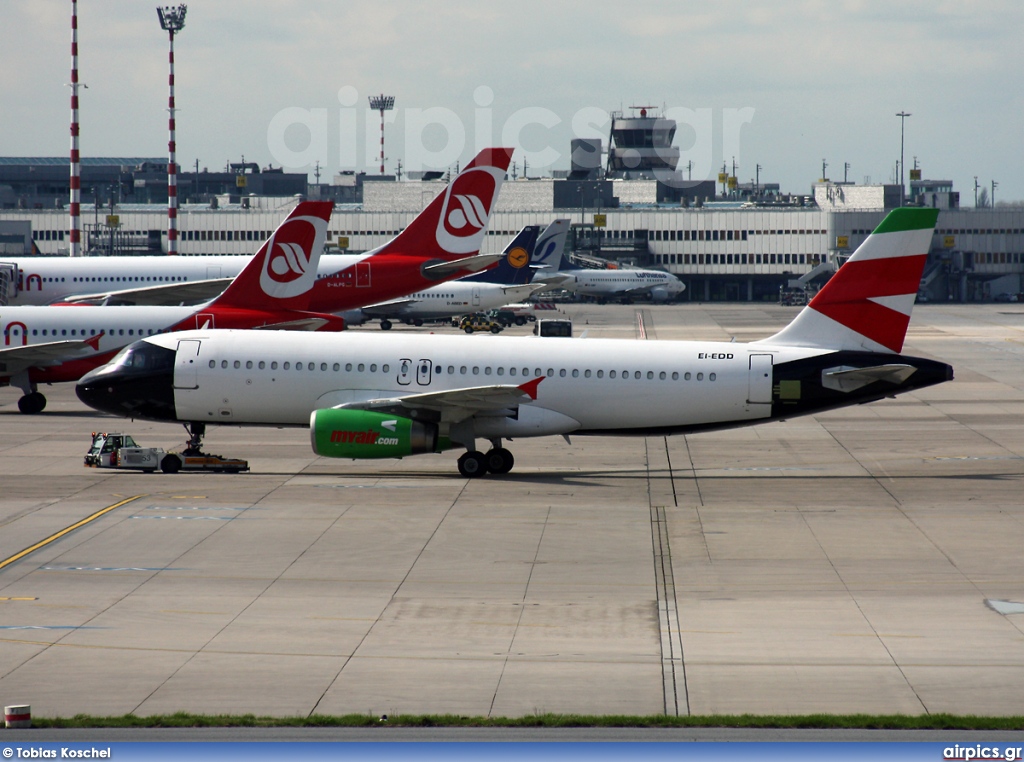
{"type": "Point", "coordinates": [849, 379]}
{"type": "Point", "coordinates": [469, 264]}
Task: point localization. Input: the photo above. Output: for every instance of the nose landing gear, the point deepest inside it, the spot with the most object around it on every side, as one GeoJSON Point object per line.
{"type": "Point", "coordinates": [196, 431]}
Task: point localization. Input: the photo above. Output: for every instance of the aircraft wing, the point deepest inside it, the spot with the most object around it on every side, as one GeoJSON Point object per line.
{"type": "Point", "coordinates": [455, 405]}
{"type": "Point", "coordinates": [470, 264]}
{"type": "Point", "coordinates": [16, 359]}
{"type": "Point", "coordinates": [645, 289]}
{"type": "Point", "coordinates": [165, 294]}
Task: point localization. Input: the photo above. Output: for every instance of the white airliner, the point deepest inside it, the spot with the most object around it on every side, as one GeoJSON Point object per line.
{"type": "Point", "coordinates": [511, 280]}
{"type": "Point", "coordinates": [49, 344]}
{"type": "Point", "coordinates": [605, 284]}
{"type": "Point", "coordinates": [370, 395]}
{"type": "Point", "coordinates": [441, 243]}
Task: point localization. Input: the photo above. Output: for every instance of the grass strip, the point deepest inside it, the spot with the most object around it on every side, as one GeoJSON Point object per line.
{"type": "Point", "coordinates": [823, 721]}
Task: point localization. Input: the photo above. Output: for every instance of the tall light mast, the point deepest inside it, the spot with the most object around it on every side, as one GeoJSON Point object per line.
{"type": "Point", "coordinates": [903, 120]}
{"type": "Point", "coordinates": [172, 20]}
{"type": "Point", "coordinates": [382, 103]}
{"type": "Point", "coordinates": [75, 232]}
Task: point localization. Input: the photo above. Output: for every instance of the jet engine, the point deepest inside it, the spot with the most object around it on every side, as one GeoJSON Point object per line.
{"type": "Point", "coordinates": [340, 433]}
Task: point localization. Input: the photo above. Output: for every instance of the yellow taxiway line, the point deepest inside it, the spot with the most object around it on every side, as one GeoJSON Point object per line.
{"type": "Point", "coordinates": [42, 543]}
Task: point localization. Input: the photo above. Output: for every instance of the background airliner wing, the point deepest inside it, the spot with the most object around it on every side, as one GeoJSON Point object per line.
{"type": "Point", "coordinates": [453, 405]}
{"type": "Point", "coordinates": [470, 264]}
{"type": "Point", "coordinates": [388, 308]}
{"type": "Point", "coordinates": [644, 289]}
{"type": "Point", "coordinates": [16, 359]}
{"type": "Point", "coordinates": [165, 294]}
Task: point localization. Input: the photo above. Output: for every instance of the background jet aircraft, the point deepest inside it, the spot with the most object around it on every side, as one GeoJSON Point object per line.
{"type": "Point", "coordinates": [512, 280]}
{"type": "Point", "coordinates": [603, 284]}
{"type": "Point", "coordinates": [48, 344]}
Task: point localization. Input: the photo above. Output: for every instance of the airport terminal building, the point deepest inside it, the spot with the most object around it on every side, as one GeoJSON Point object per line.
{"type": "Point", "coordinates": [743, 245]}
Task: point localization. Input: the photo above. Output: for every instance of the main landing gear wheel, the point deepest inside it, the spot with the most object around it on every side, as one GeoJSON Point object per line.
{"type": "Point", "coordinates": [385, 325]}
{"type": "Point", "coordinates": [32, 403]}
{"type": "Point", "coordinates": [472, 464]}
{"type": "Point", "coordinates": [499, 460]}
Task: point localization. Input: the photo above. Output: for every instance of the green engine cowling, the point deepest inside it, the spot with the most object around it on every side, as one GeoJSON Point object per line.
{"type": "Point", "coordinates": [367, 434]}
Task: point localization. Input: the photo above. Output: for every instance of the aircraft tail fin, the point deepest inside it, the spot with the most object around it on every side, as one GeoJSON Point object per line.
{"type": "Point", "coordinates": [512, 269]}
{"type": "Point", "coordinates": [282, 274]}
{"type": "Point", "coordinates": [453, 224]}
{"type": "Point", "coordinates": [548, 254]}
{"type": "Point", "coordinates": [866, 305]}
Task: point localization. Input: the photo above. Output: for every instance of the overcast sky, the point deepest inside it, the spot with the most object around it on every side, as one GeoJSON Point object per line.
{"type": "Point", "coordinates": [784, 84]}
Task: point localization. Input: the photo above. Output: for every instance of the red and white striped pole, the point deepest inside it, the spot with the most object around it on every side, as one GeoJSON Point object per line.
{"type": "Point", "coordinates": [382, 103]}
{"type": "Point", "coordinates": [172, 20]}
{"type": "Point", "coordinates": [75, 232]}
{"type": "Point", "coordinates": [172, 166]}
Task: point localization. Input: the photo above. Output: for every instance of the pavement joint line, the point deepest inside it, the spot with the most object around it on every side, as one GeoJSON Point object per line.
{"type": "Point", "coordinates": [673, 669]}
{"type": "Point", "coordinates": [66, 530]}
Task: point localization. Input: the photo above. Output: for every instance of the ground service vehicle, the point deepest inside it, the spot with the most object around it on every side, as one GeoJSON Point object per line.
{"type": "Point", "coordinates": [472, 323]}
{"type": "Point", "coordinates": [121, 451]}
{"type": "Point", "coordinates": [553, 327]}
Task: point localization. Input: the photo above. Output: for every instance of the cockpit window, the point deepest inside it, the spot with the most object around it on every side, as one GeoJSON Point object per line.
{"type": "Point", "coordinates": [143, 356]}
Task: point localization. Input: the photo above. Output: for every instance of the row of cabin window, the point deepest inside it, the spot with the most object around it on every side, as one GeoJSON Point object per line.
{"type": "Point", "coordinates": [8, 331]}
{"type": "Point", "coordinates": [112, 279]}
{"type": "Point", "coordinates": [129, 279]}
{"type": "Point", "coordinates": [736, 259]}
{"type": "Point", "coordinates": [467, 370]}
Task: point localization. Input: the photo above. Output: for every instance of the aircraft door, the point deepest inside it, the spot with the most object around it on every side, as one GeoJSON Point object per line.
{"type": "Point", "coordinates": [8, 282]}
{"type": "Point", "coordinates": [362, 274]}
{"type": "Point", "coordinates": [186, 364]}
{"type": "Point", "coordinates": [423, 371]}
{"type": "Point", "coordinates": [476, 296]}
{"type": "Point", "coordinates": [759, 381]}
{"type": "Point", "coordinates": [404, 372]}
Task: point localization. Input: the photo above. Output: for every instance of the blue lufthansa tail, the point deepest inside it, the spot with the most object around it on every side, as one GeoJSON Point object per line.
{"type": "Point", "coordinates": [513, 268]}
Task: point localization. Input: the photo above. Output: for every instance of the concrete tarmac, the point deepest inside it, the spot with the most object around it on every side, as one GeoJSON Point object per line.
{"type": "Point", "coordinates": [864, 560]}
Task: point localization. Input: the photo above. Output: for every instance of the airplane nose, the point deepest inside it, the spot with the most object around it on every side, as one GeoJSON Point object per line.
{"type": "Point", "coordinates": [138, 383]}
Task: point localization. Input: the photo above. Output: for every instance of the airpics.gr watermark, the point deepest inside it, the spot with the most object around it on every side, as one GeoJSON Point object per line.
{"type": "Point", "coordinates": [436, 137]}
{"type": "Point", "coordinates": [980, 751]}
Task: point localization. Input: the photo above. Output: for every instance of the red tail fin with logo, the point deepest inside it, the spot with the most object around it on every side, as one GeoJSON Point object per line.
{"type": "Point", "coordinates": [454, 223]}
{"type": "Point", "coordinates": [282, 274]}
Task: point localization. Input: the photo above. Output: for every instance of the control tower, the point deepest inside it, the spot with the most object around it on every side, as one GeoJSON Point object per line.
{"type": "Point", "coordinates": [641, 144]}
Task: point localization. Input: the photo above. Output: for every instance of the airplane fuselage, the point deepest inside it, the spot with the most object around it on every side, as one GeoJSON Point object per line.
{"type": "Point", "coordinates": [344, 281]}
{"type": "Point", "coordinates": [620, 282]}
{"type": "Point", "coordinates": [454, 297]}
{"type": "Point", "coordinates": [587, 385]}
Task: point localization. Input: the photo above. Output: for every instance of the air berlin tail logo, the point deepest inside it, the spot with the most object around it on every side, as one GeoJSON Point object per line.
{"type": "Point", "coordinates": [470, 216]}
{"type": "Point", "coordinates": [467, 206]}
{"type": "Point", "coordinates": [287, 266]}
